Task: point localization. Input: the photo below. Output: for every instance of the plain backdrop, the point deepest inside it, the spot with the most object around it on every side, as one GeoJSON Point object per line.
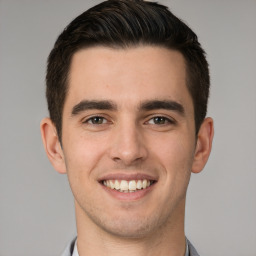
{"type": "Point", "coordinates": [36, 205]}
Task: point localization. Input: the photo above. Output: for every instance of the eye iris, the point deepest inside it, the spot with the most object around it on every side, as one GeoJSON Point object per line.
{"type": "Point", "coordinates": [97, 120]}
{"type": "Point", "coordinates": [159, 120]}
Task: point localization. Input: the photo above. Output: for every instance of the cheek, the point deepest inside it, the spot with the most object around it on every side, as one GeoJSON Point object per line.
{"type": "Point", "coordinates": [175, 153]}
{"type": "Point", "coordinates": [173, 148]}
{"type": "Point", "coordinates": [82, 154]}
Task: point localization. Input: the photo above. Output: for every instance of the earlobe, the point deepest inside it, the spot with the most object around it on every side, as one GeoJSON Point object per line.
{"type": "Point", "coordinates": [52, 145]}
{"type": "Point", "coordinates": [204, 145]}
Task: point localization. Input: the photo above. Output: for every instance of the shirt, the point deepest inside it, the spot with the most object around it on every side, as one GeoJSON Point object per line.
{"type": "Point", "coordinates": [75, 252]}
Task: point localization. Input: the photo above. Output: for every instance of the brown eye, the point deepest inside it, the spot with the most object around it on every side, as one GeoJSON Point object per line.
{"type": "Point", "coordinates": [96, 120]}
{"type": "Point", "coordinates": [160, 120]}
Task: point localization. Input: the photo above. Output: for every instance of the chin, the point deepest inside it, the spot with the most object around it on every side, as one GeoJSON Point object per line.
{"type": "Point", "coordinates": [130, 227]}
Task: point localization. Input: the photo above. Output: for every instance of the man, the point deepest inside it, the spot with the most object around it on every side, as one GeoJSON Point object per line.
{"type": "Point", "coordinates": [127, 89]}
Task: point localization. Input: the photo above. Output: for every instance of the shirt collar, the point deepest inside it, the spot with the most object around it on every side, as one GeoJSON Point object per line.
{"type": "Point", "coordinates": [75, 252]}
{"type": "Point", "coordinates": [187, 251]}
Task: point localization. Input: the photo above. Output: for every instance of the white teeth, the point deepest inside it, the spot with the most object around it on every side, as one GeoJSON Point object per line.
{"type": "Point", "coordinates": [139, 184]}
{"type": "Point", "coordinates": [117, 186]}
{"type": "Point", "coordinates": [144, 183]}
{"type": "Point", "coordinates": [112, 184]}
{"type": "Point", "coordinates": [132, 185]}
{"type": "Point", "coordinates": [124, 185]}
{"type": "Point", "coordinates": [127, 186]}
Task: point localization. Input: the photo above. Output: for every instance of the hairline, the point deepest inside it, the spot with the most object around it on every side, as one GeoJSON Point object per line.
{"type": "Point", "coordinates": [118, 46]}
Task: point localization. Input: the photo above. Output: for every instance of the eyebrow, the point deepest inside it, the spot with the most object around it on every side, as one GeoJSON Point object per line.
{"type": "Point", "coordinates": [109, 105]}
{"type": "Point", "coordinates": [162, 104]}
{"type": "Point", "coordinates": [93, 104]}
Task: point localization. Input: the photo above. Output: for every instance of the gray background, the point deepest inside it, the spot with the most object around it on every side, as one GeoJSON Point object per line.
{"type": "Point", "coordinates": [37, 215]}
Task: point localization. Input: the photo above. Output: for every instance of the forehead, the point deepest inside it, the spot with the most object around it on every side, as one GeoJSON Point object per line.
{"type": "Point", "coordinates": [128, 75]}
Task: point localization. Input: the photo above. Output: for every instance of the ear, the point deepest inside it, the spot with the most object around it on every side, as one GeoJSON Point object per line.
{"type": "Point", "coordinates": [52, 145]}
{"type": "Point", "coordinates": [203, 145]}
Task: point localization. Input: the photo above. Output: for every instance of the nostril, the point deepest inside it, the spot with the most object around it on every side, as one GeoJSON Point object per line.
{"type": "Point", "coordinates": [116, 159]}
{"type": "Point", "coordinates": [127, 161]}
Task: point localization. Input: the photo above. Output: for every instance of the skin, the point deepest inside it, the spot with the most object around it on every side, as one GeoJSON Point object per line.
{"type": "Point", "coordinates": [127, 139]}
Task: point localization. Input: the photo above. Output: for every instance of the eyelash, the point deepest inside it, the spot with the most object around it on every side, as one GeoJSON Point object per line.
{"type": "Point", "coordinates": [162, 118]}
{"type": "Point", "coordinates": [92, 118]}
{"type": "Point", "coordinates": [104, 120]}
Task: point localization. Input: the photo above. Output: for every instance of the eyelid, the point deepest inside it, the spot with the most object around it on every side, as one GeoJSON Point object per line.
{"type": "Point", "coordinates": [169, 119]}
{"type": "Point", "coordinates": [86, 120]}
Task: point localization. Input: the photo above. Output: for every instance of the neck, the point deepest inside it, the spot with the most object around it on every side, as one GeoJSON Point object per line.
{"type": "Point", "coordinates": [166, 240]}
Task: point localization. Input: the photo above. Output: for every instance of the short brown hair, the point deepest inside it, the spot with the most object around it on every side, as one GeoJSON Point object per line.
{"type": "Point", "coordinates": [126, 23]}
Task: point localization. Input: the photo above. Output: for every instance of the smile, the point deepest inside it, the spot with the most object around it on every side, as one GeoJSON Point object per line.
{"type": "Point", "coordinates": [126, 186]}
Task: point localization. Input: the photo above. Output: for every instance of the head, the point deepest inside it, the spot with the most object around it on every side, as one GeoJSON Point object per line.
{"type": "Point", "coordinates": [127, 89]}
{"type": "Point", "coordinates": [125, 24]}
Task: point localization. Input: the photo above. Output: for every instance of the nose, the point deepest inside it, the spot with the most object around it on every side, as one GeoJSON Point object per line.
{"type": "Point", "coordinates": [128, 146]}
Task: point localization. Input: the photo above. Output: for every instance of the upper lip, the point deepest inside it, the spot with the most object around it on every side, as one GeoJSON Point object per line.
{"type": "Point", "coordinates": [126, 176]}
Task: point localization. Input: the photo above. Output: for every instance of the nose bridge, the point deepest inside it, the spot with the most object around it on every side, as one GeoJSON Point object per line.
{"type": "Point", "coordinates": [127, 145]}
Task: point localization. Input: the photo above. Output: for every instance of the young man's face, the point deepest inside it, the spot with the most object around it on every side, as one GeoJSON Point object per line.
{"type": "Point", "coordinates": [128, 122]}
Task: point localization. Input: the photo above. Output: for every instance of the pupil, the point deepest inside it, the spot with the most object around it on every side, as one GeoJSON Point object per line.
{"type": "Point", "coordinates": [159, 120]}
{"type": "Point", "coordinates": [97, 120]}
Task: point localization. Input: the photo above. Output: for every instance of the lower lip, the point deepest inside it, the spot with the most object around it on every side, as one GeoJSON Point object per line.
{"type": "Point", "coordinates": [129, 196]}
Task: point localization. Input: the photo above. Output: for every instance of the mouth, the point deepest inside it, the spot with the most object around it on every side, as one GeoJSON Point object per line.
{"type": "Point", "coordinates": [128, 186]}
